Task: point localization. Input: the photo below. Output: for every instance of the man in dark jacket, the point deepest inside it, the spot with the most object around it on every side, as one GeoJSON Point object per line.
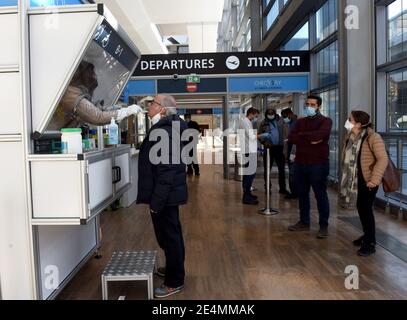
{"type": "Point", "coordinates": [272, 132]}
{"type": "Point", "coordinates": [311, 168]}
{"type": "Point", "coordinates": [162, 185]}
{"type": "Point", "coordinates": [194, 152]}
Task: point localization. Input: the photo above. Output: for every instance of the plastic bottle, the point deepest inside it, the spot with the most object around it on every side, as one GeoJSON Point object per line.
{"type": "Point", "coordinates": [71, 141]}
{"type": "Point", "coordinates": [113, 132]}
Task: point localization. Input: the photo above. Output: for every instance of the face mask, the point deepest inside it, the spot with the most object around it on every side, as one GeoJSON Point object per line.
{"type": "Point", "coordinates": [254, 121]}
{"type": "Point", "coordinates": [287, 120]}
{"type": "Point", "coordinates": [155, 119]}
{"type": "Point", "coordinates": [187, 120]}
{"type": "Point", "coordinates": [349, 125]}
{"type": "Point", "coordinates": [311, 112]}
{"type": "Point", "coordinates": [271, 118]}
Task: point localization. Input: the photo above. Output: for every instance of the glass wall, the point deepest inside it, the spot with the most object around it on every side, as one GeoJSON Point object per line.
{"type": "Point", "coordinates": [272, 15]}
{"type": "Point", "coordinates": [326, 20]}
{"type": "Point", "coordinates": [330, 109]}
{"type": "Point", "coordinates": [271, 11]}
{"type": "Point", "coordinates": [397, 100]}
{"type": "Point", "coordinates": [323, 43]}
{"type": "Point", "coordinates": [300, 41]}
{"type": "Point", "coordinates": [327, 67]}
{"type": "Point", "coordinates": [397, 29]}
{"type": "Point", "coordinates": [391, 121]}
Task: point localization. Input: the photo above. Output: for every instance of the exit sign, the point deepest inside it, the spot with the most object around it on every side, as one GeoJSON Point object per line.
{"type": "Point", "coordinates": [193, 78]}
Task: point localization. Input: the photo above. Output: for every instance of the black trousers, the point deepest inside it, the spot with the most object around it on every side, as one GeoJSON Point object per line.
{"type": "Point", "coordinates": [365, 202]}
{"type": "Point", "coordinates": [168, 231]}
{"type": "Point", "coordinates": [194, 165]}
{"type": "Point", "coordinates": [276, 155]}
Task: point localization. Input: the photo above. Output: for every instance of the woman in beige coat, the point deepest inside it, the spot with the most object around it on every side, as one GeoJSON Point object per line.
{"type": "Point", "coordinates": [364, 161]}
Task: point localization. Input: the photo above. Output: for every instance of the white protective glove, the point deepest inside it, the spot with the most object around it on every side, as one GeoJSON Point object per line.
{"type": "Point", "coordinates": [127, 112]}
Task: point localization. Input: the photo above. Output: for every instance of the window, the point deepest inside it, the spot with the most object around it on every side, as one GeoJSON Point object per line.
{"type": "Point", "coordinates": [326, 20]}
{"type": "Point", "coordinates": [300, 41]}
{"type": "Point", "coordinates": [45, 3]}
{"type": "Point", "coordinates": [397, 29]}
{"type": "Point", "coordinates": [327, 67]}
{"type": "Point", "coordinates": [42, 3]}
{"type": "Point", "coordinates": [272, 15]}
{"type": "Point", "coordinates": [330, 101]}
{"type": "Point", "coordinates": [397, 100]}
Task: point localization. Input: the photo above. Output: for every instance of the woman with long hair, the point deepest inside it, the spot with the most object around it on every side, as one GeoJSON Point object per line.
{"type": "Point", "coordinates": [364, 161]}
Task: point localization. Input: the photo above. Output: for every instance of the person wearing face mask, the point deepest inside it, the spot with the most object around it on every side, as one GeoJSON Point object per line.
{"type": "Point", "coordinates": [364, 161]}
{"type": "Point", "coordinates": [162, 185]}
{"type": "Point", "coordinates": [76, 106]}
{"type": "Point", "coordinates": [248, 140]}
{"type": "Point", "coordinates": [194, 166]}
{"type": "Point", "coordinates": [290, 121]}
{"type": "Point", "coordinates": [311, 166]}
{"type": "Point", "coordinates": [274, 136]}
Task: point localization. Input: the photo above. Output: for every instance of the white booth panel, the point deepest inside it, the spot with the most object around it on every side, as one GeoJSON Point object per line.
{"type": "Point", "coordinates": [61, 249]}
{"type": "Point", "coordinates": [123, 162]}
{"type": "Point", "coordinates": [131, 195]}
{"type": "Point", "coordinates": [100, 182]}
{"type": "Point", "coordinates": [9, 35]}
{"type": "Point", "coordinates": [15, 249]}
{"type": "Point", "coordinates": [57, 43]}
{"type": "Point", "coordinates": [10, 103]}
{"type": "Point", "coordinates": [57, 189]}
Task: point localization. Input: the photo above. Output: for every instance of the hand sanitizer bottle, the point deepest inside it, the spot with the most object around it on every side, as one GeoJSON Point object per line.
{"type": "Point", "coordinates": [113, 132]}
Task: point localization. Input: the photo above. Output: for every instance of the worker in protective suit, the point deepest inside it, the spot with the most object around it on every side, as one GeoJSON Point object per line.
{"type": "Point", "coordinates": [76, 105]}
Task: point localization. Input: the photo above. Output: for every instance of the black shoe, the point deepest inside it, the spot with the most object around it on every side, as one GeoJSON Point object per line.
{"type": "Point", "coordinates": [197, 174]}
{"type": "Point", "coordinates": [284, 192]}
{"type": "Point", "coordinates": [190, 173]}
{"type": "Point", "coordinates": [299, 226]}
{"type": "Point", "coordinates": [323, 233]}
{"type": "Point", "coordinates": [250, 201]}
{"type": "Point", "coordinates": [367, 250]}
{"type": "Point", "coordinates": [253, 196]}
{"type": "Point", "coordinates": [358, 242]}
{"type": "Point", "coordinates": [291, 197]}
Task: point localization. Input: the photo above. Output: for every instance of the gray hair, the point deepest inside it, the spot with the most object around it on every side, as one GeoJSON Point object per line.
{"type": "Point", "coordinates": [170, 105]}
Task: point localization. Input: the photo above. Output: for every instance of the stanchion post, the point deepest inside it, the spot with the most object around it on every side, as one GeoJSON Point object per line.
{"type": "Point", "coordinates": [268, 210]}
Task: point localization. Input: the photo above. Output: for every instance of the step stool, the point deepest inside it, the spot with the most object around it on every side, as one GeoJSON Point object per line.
{"type": "Point", "coordinates": [130, 266]}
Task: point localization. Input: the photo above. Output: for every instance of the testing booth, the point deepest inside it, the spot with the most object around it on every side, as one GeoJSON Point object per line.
{"type": "Point", "coordinates": [48, 57]}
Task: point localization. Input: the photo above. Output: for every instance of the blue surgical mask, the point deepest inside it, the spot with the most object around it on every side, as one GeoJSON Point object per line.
{"type": "Point", "coordinates": [311, 112]}
{"type": "Point", "coordinates": [254, 121]}
{"type": "Point", "coordinates": [271, 118]}
{"type": "Point", "coordinates": [287, 120]}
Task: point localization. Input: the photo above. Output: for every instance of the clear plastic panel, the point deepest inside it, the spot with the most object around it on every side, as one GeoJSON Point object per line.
{"type": "Point", "coordinates": [95, 87]}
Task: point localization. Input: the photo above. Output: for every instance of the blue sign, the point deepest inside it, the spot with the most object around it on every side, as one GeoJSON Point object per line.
{"type": "Point", "coordinates": [269, 84]}
{"type": "Point", "coordinates": [41, 3]}
{"type": "Point", "coordinates": [139, 88]}
{"type": "Point", "coordinates": [7, 3]}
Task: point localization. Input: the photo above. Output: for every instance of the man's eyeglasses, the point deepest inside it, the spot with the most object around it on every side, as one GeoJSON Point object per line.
{"type": "Point", "coordinates": [151, 102]}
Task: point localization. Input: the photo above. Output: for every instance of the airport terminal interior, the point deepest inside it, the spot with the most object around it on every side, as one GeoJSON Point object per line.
{"type": "Point", "coordinates": [77, 81]}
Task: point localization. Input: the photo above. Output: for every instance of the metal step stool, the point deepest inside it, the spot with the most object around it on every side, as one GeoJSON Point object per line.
{"type": "Point", "coordinates": [130, 266]}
